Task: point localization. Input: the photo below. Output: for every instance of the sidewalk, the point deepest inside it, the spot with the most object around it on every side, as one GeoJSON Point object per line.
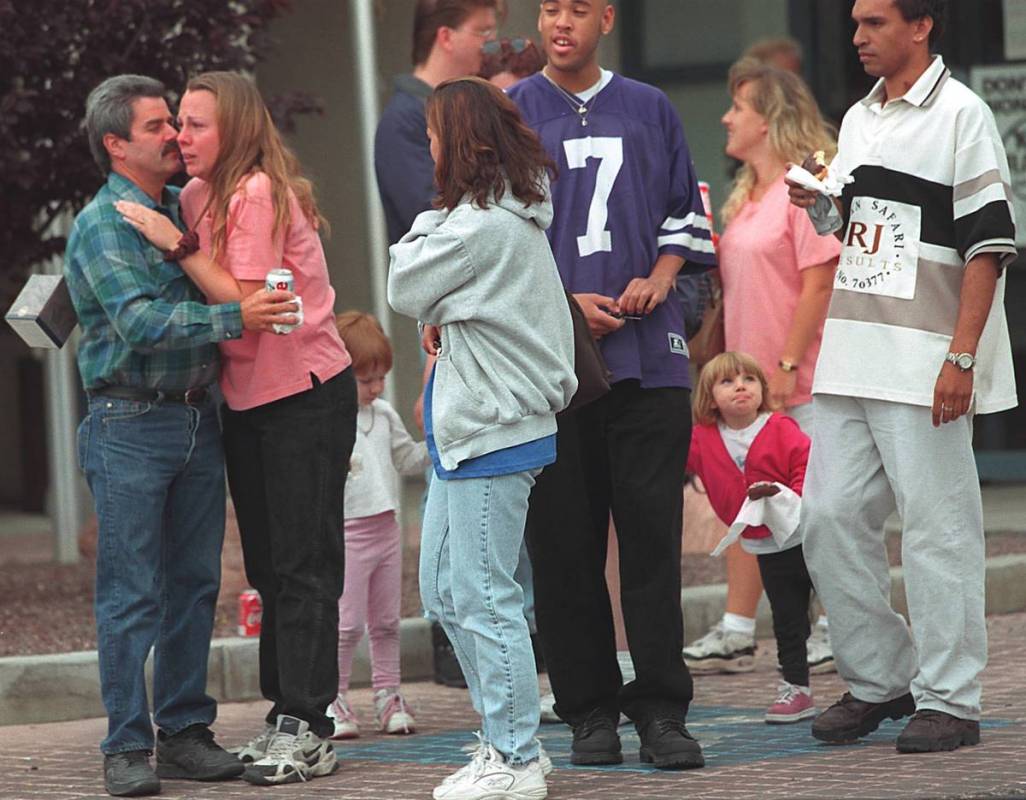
{"type": "Point", "coordinates": [745, 758]}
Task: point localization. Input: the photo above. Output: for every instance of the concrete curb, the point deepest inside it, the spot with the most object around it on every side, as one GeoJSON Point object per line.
{"type": "Point", "coordinates": [65, 686]}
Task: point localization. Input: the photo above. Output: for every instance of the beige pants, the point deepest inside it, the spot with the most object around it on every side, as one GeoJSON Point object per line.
{"type": "Point", "coordinates": [868, 458]}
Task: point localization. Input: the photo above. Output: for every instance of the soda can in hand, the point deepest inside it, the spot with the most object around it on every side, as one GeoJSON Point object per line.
{"type": "Point", "coordinates": [281, 279]}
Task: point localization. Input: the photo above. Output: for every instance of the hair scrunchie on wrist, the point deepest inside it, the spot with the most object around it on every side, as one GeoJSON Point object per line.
{"type": "Point", "coordinates": [187, 245]}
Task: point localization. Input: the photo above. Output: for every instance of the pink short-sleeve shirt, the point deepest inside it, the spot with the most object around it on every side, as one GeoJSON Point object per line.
{"type": "Point", "coordinates": [262, 367]}
{"type": "Point", "coordinates": [762, 253]}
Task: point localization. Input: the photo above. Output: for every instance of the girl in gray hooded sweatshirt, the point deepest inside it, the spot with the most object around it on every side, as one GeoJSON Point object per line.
{"type": "Point", "coordinates": [478, 274]}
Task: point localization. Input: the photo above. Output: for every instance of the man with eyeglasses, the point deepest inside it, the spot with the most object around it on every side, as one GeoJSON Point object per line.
{"type": "Point", "coordinates": [447, 40]}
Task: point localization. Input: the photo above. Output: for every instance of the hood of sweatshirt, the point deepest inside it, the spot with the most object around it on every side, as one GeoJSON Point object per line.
{"type": "Point", "coordinates": [540, 213]}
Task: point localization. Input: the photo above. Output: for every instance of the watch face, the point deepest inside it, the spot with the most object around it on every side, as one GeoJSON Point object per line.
{"type": "Point", "coordinates": [965, 361]}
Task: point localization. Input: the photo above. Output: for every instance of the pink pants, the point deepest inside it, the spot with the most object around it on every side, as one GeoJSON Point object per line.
{"type": "Point", "coordinates": [370, 600]}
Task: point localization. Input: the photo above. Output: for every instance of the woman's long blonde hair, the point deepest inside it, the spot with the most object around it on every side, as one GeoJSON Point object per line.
{"type": "Point", "coordinates": [250, 143]}
{"type": "Point", "coordinates": [796, 126]}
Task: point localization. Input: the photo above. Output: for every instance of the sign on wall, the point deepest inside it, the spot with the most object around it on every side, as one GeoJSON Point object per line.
{"type": "Point", "coordinates": [1015, 30]}
{"type": "Point", "coordinates": [1004, 90]}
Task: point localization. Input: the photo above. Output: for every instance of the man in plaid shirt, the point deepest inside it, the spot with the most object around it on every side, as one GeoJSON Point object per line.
{"type": "Point", "coordinates": [150, 447]}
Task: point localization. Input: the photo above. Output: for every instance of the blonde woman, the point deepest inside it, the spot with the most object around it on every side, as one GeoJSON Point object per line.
{"type": "Point", "coordinates": [290, 415]}
{"type": "Point", "coordinates": [777, 276]}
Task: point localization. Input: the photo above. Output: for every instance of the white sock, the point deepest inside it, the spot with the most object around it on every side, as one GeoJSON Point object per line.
{"type": "Point", "coordinates": [822, 621]}
{"type": "Point", "coordinates": [735, 623]}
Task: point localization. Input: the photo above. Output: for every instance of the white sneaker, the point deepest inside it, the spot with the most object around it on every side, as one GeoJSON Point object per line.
{"type": "Point", "coordinates": [295, 753]}
{"type": "Point", "coordinates": [392, 712]}
{"type": "Point", "coordinates": [471, 749]}
{"type": "Point", "coordinates": [489, 777]}
{"type": "Point", "coordinates": [255, 747]}
{"type": "Point", "coordinates": [548, 708]}
{"type": "Point", "coordinates": [626, 662]}
{"type": "Point", "coordinates": [721, 650]}
{"type": "Point", "coordinates": [820, 655]}
{"type": "Point", "coordinates": [347, 726]}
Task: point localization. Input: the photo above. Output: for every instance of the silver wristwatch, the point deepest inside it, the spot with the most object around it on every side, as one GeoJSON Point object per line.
{"type": "Point", "coordinates": [964, 361]}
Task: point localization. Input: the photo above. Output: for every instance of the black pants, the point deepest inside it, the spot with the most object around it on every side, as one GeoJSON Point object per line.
{"type": "Point", "coordinates": [625, 452]}
{"type": "Point", "coordinates": [287, 463]}
{"type": "Point", "coordinates": [789, 590]}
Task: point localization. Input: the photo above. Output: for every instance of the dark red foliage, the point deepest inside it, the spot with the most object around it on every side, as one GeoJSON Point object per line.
{"type": "Point", "coordinates": [52, 52]}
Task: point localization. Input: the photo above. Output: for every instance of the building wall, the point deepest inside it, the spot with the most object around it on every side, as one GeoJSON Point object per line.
{"type": "Point", "coordinates": [315, 53]}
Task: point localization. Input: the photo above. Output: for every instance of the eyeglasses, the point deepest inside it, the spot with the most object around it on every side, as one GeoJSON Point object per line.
{"type": "Point", "coordinates": [484, 33]}
{"type": "Point", "coordinates": [496, 46]}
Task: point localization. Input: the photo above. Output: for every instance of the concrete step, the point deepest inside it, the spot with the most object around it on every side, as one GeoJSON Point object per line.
{"type": "Point", "coordinates": [65, 686]}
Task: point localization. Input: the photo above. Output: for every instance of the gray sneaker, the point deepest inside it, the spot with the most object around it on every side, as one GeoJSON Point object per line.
{"type": "Point", "coordinates": [721, 650]}
{"type": "Point", "coordinates": [130, 774]}
{"type": "Point", "coordinates": [193, 755]}
{"type": "Point", "coordinates": [295, 753]}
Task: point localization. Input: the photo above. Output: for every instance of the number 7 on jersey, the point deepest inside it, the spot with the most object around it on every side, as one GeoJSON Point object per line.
{"type": "Point", "coordinates": [609, 151]}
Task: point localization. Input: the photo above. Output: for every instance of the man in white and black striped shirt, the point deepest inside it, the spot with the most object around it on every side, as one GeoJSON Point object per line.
{"type": "Point", "coordinates": [914, 344]}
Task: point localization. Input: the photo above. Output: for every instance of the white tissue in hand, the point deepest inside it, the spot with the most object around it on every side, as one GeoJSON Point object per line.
{"type": "Point", "coordinates": [832, 185]}
{"type": "Point", "coordinates": [780, 513]}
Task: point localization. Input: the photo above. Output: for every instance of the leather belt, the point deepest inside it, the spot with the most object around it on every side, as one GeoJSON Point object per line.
{"type": "Point", "coordinates": [191, 397]}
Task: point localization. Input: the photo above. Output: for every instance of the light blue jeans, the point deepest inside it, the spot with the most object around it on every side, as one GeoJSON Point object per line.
{"type": "Point", "coordinates": [470, 546]}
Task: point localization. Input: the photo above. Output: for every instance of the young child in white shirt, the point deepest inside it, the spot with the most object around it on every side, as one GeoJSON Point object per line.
{"type": "Point", "coordinates": [384, 450]}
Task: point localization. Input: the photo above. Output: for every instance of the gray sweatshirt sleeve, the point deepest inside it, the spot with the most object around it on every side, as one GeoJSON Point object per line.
{"type": "Point", "coordinates": [429, 267]}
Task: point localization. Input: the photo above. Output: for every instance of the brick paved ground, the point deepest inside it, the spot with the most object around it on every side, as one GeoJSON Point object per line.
{"type": "Point", "coordinates": [745, 757]}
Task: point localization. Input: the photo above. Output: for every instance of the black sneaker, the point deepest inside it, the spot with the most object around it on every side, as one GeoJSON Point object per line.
{"type": "Point", "coordinates": [130, 774]}
{"type": "Point", "coordinates": [849, 719]}
{"type": "Point", "coordinates": [666, 744]}
{"type": "Point", "coordinates": [192, 755]}
{"type": "Point", "coordinates": [932, 731]}
{"type": "Point", "coordinates": [596, 740]}
{"type": "Point", "coordinates": [447, 666]}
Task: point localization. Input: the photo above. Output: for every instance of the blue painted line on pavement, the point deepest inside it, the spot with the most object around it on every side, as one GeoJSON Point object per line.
{"type": "Point", "coordinates": [729, 736]}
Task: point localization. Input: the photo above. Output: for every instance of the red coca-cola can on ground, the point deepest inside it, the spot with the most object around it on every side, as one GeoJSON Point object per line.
{"type": "Point", "coordinates": [250, 612]}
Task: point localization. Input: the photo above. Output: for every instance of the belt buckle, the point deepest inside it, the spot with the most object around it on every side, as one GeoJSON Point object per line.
{"type": "Point", "coordinates": [195, 396]}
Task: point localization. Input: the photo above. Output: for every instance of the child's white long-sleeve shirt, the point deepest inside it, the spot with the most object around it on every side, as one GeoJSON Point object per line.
{"type": "Point", "coordinates": [384, 450]}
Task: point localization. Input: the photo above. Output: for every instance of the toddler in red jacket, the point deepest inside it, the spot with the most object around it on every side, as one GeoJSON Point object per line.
{"type": "Point", "coordinates": [752, 462]}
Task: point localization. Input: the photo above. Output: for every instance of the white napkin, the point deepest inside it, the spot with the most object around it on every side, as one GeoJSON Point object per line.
{"type": "Point", "coordinates": [832, 185]}
{"type": "Point", "coordinates": [780, 513]}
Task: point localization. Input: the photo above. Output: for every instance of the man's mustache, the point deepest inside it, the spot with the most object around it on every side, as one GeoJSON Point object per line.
{"type": "Point", "coordinates": [172, 147]}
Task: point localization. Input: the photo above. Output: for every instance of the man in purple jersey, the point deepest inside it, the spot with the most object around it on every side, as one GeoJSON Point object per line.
{"type": "Point", "coordinates": [628, 217]}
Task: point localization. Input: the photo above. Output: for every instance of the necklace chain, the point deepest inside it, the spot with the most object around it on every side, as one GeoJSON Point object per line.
{"type": "Point", "coordinates": [582, 109]}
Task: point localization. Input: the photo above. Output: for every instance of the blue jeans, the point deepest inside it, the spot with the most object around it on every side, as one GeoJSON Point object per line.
{"type": "Point", "coordinates": [156, 472]}
{"type": "Point", "coordinates": [470, 548]}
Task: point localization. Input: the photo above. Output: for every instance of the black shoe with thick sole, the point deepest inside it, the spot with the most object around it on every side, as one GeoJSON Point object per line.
{"type": "Point", "coordinates": [932, 731]}
{"type": "Point", "coordinates": [596, 741]}
{"type": "Point", "coordinates": [849, 719]}
{"type": "Point", "coordinates": [447, 667]}
{"type": "Point", "coordinates": [666, 744]}
{"type": "Point", "coordinates": [193, 755]}
{"type": "Point", "coordinates": [130, 774]}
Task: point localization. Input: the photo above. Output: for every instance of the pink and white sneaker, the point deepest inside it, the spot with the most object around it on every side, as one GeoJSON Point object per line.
{"type": "Point", "coordinates": [392, 712]}
{"type": "Point", "coordinates": [346, 724]}
{"type": "Point", "coordinates": [793, 704]}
